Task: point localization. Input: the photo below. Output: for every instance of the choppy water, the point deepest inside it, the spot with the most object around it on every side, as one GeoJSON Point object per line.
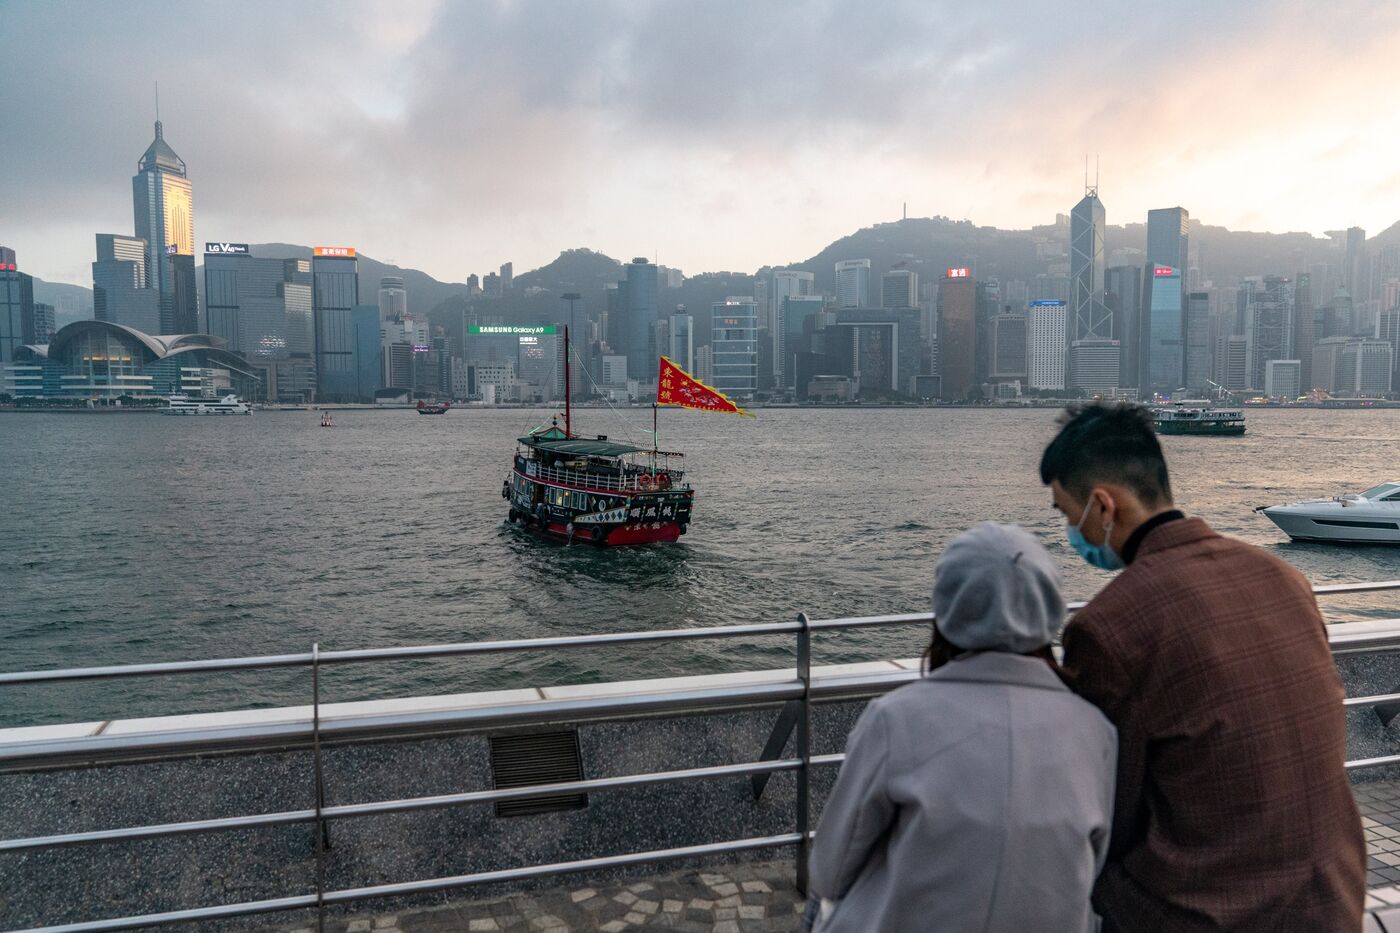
{"type": "Point", "coordinates": [129, 538]}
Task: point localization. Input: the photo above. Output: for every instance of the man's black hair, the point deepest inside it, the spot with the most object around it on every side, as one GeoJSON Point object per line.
{"type": "Point", "coordinates": [1101, 443]}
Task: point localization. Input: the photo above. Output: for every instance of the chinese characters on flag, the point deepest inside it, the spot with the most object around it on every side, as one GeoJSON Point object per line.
{"type": "Point", "coordinates": [674, 386]}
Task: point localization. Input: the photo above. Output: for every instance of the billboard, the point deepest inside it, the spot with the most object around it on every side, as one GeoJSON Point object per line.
{"type": "Point", "coordinates": [509, 330]}
{"type": "Point", "coordinates": [1163, 270]}
{"type": "Point", "coordinates": [962, 272]}
{"type": "Point", "coordinates": [346, 252]}
{"type": "Point", "coordinates": [240, 248]}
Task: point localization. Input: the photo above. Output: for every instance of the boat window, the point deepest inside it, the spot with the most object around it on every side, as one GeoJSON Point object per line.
{"type": "Point", "coordinates": [1393, 497]}
{"type": "Point", "coordinates": [1378, 491]}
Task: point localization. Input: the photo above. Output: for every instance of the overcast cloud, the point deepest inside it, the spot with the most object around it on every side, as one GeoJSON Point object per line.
{"type": "Point", "coordinates": [722, 134]}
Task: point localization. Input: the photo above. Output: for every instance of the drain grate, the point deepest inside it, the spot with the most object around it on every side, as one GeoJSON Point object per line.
{"type": "Point", "coordinates": [538, 758]}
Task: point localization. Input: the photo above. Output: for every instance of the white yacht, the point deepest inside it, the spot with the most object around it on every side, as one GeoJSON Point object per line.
{"type": "Point", "coordinates": [228, 405]}
{"type": "Point", "coordinates": [1370, 517]}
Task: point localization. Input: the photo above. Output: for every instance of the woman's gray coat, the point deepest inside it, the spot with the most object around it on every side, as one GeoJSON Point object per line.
{"type": "Point", "coordinates": [978, 798]}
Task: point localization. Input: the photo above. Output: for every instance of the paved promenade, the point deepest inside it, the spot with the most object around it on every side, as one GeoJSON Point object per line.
{"type": "Point", "coordinates": [758, 896]}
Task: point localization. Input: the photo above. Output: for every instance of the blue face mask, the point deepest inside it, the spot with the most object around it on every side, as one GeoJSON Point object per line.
{"type": "Point", "coordinates": [1097, 555]}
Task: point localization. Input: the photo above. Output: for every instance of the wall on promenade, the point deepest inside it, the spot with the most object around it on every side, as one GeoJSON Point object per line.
{"type": "Point", "coordinates": [169, 874]}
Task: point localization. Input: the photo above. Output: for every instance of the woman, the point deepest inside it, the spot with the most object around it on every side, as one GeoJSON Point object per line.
{"type": "Point", "coordinates": [981, 796]}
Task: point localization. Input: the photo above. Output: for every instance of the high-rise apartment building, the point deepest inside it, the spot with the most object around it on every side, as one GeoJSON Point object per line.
{"type": "Point", "coordinates": [957, 333]}
{"type": "Point", "coordinates": [1046, 323]}
{"type": "Point", "coordinates": [1163, 362]}
{"type": "Point", "coordinates": [122, 291]}
{"type": "Point", "coordinates": [335, 291]}
{"type": "Point", "coordinates": [16, 307]}
{"type": "Point", "coordinates": [733, 355]}
{"type": "Point", "coordinates": [163, 199]}
{"type": "Point", "coordinates": [1123, 297]}
{"type": "Point", "coordinates": [853, 283]}
{"type": "Point", "coordinates": [899, 288]}
{"type": "Point", "coordinates": [1090, 317]}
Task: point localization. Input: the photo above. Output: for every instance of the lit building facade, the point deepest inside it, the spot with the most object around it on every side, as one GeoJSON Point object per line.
{"type": "Point", "coordinates": [101, 360]}
{"type": "Point", "coordinates": [163, 202]}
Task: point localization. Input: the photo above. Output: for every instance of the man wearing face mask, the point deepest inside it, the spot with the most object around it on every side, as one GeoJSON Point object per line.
{"type": "Point", "coordinates": [1233, 810]}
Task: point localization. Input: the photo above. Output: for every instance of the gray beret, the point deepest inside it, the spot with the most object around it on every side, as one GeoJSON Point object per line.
{"type": "Point", "coordinates": [996, 589]}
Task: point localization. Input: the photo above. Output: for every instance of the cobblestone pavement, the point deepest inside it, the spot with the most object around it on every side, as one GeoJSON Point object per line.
{"type": "Point", "coordinates": [758, 896]}
{"type": "Point", "coordinates": [753, 897]}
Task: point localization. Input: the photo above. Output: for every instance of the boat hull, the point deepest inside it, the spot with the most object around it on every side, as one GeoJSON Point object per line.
{"type": "Point", "coordinates": [614, 536]}
{"type": "Point", "coordinates": [1335, 525]}
{"type": "Point", "coordinates": [1187, 427]}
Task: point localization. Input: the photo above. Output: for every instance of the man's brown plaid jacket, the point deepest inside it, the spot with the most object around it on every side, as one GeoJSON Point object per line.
{"type": "Point", "coordinates": [1233, 807]}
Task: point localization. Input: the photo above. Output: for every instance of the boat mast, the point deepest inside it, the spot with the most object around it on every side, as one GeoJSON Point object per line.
{"type": "Point", "coordinates": [568, 388]}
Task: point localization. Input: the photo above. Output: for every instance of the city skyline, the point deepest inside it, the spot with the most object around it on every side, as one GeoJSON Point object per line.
{"type": "Point", "coordinates": [382, 129]}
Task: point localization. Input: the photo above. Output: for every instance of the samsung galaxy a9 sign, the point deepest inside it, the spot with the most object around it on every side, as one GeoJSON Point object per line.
{"type": "Point", "coordinates": [239, 248]}
{"type": "Point", "coordinates": [511, 330]}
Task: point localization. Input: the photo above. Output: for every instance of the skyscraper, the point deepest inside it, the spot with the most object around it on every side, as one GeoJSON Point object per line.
{"type": "Point", "coordinates": [1198, 343]}
{"type": "Point", "coordinates": [1268, 324]}
{"type": "Point", "coordinates": [163, 199]}
{"type": "Point", "coordinates": [262, 310]}
{"type": "Point", "coordinates": [734, 346]}
{"type": "Point", "coordinates": [1045, 342]}
{"type": "Point", "coordinates": [1123, 297]}
{"type": "Point", "coordinates": [393, 298]}
{"type": "Point", "coordinates": [1091, 320]}
{"type": "Point", "coordinates": [787, 283]}
{"type": "Point", "coordinates": [1167, 238]}
{"type": "Point", "coordinates": [682, 339]}
{"type": "Point", "coordinates": [16, 307]}
{"type": "Point", "coordinates": [1163, 362]}
{"type": "Point", "coordinates": [899, 288]}
{"type": "Point", "coordinates": [1354, 277]}
{"type": "Point", "coordinates": [639, 312]}
{"type": "Point", "coordinates": [1008, 356]}
{"type": "Point", "coordinates": [1304, 327]}
{"type": "Point", "coordinates": [122, 291]}
{"type": "Point", "coordinates": [335, 291]}
{"type": "Point", "coordinates": [798, 316]}
{"type": "Point", "coordinates": [853, 283]}
{"type": "Point", "coordinates": [957, 333]}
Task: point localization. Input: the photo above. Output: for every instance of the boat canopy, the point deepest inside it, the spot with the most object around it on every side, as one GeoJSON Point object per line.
{"type": "Point", "coordinates": [580, 447]}
{"type": "Point", "coordinates": [1384, 489]}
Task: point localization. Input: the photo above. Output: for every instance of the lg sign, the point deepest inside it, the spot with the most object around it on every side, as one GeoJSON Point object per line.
{"type": "Point", "coordinates": [957, 273]}
{"type": "Point", "coordinates": [226, 247]}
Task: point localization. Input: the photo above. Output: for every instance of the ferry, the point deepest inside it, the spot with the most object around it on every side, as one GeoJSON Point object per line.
{"type": "Point", "coordinates": [595, 490]}
{"type": "Point", "coordinates": [433, 408]}
{"type": "Point", "coordinates": [228, 405]}
{"type": "Point", "coordinates": [1198, 418]}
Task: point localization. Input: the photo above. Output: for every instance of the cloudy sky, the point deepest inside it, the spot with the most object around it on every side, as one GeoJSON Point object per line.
{"type": "Point", "coordinates": [723, 134]}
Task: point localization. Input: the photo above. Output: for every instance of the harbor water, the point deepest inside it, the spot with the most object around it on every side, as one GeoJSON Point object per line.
{"type": "Point", "coordinates": [130, 538]}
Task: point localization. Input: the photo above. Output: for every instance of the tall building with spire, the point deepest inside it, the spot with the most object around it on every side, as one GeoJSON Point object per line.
{"type": "Point", "coordinates": [163, 199]}
{"type": "Point", "coordinates": [1090, 319]}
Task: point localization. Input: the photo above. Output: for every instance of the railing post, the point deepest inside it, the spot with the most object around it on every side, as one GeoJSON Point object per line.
{"type": "Point", "coordinates": [320, 828]}
{"type": "Point", "coordinates": [804, 749]}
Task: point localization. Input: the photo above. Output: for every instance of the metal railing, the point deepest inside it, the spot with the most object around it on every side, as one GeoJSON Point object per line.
{"type": "Point", "coordinates": [638, 481]}
{"type": "Point", "coordinates": [320, 815]}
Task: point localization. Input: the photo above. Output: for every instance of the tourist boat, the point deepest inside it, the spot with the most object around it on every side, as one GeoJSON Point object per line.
{"type": "Point", "coordinates": [433, 408]}
{"type": "Point", "coordinates": [326, 420]}
{"type": "Point", "coordinates": [592, 489]}
{"type": "Point", "coordinates": [1198, 418]}
{"type": "Point", "coordinates": [228, 405]}
{"type": "Point", "coordinates": [1370, 517]}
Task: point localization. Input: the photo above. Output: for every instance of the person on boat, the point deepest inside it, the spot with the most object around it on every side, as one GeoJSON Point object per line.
{"type": "Point", "coordinates": [1233, 807]}
{"type": "Point", "coordinates": [979, 797]}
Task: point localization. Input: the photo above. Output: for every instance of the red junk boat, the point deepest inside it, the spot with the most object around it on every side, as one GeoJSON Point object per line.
{"type": "Point", "coordinates": [433, 408]}
{"type": "Point", "coordinates": [595, 490]}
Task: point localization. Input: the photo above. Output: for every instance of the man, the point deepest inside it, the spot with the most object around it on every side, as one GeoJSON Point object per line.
{"type": "Point", "coordinates": [1233, 810]}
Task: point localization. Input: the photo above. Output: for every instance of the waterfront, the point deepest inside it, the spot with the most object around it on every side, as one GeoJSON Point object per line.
{"type": "Point", "coordinates": [161, 539]}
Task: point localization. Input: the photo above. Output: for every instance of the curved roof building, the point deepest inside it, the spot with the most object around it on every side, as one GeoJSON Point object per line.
{"type": "Point", "coordinates": [101, 359]}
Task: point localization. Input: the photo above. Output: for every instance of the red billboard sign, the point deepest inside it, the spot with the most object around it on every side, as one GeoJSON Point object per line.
{"type": "Point", "coordinates": [961, 272]}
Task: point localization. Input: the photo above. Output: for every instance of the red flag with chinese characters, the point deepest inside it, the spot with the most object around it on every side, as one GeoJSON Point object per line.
{"type": "Point", "coordinates": [675, 386]}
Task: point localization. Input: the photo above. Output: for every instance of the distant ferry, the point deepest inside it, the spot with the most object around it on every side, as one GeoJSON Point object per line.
{"type": "Point", "coordinates": [228, 405]}
{"type": "Point", "coordinates": [1198, 418]}
{"type": "Point", "coordinates": [433, 408]}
